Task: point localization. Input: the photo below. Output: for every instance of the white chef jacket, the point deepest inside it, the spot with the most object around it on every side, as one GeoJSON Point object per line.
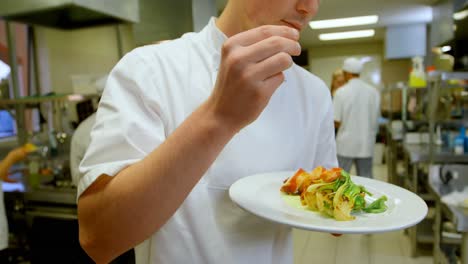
{"type": "Point", "coordinates": [3, 222]}
{"type": "Point", "coordinates": [80, 141]}
{"type": "Point", "coordinates": [151, 91]}
{"type": "Point", "coordinates": [357, 108]}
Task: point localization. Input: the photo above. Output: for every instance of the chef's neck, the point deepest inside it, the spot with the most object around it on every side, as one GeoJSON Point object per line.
{"type": "Point", "coordinates": [232, 20]}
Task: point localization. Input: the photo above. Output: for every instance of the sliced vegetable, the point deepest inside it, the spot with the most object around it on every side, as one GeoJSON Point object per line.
{"type": "Point", "coordinates": [293, 183]}
{"type": "Point", "coordinates": [332, 193]}
{"type": "Point", "coordinates": [378, 206]}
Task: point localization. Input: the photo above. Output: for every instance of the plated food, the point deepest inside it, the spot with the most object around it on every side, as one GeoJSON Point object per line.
{"type": "Point", "coordinates": [331, 193]}
{"type": "Point", "coordinates": [260, 195]}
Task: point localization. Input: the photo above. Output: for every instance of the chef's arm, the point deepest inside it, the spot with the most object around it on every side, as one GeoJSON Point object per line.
{"type": "Point", "coordinates": [117, 213]}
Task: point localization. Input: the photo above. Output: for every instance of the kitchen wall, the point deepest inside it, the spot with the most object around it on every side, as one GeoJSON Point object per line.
{"type": "Point", "coordinates": [94, 50]}
{"type": "Point", "coordinates": [202, 11]}
{"type": "Point", "coordinates": [378, 71]}
{"type": "Point", "coordinates": [163, 20]}
{"type": "Point", "coordinates": [323, 60]}
{"type": "Point", "coordinates": [21, 50]}
{"type": "Point", "coordinates": [63, 53]}
{"type": "Point", "coordinates": [84, 51]}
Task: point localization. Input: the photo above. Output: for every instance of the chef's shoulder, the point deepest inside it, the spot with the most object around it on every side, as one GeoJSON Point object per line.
{"type": "Point", "coordinates": [343, 92]}
{"type": "Point", "coordinates": [154, 55]}
{"type": "Point", "coordinates": [372, 89]}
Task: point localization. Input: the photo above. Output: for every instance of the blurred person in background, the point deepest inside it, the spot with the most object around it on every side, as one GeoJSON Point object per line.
{"type": "Point", "coordinates": [356, 112]}
{"type": "Point", "coordinates": [338, 80]}
{"type": "Point", "coordinates": [79, 143]}
{"type": "Point", "coordinates": [14, 156]}
{"type": "Point", "coordinates": [82, 135]}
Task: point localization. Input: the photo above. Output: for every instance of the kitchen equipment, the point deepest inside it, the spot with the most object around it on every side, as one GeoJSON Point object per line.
{"type": "Point", "coordinates": [417, 75]}
{"type": "Point", "coordinates": [70, 14]}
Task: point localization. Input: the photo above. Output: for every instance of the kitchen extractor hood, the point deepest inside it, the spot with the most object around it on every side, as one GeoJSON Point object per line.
{"type": "Point", "coordinates": [70, 14]}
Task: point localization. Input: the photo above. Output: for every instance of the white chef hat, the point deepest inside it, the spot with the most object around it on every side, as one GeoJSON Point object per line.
{"type": "Point", "coordinates": [352, 65]}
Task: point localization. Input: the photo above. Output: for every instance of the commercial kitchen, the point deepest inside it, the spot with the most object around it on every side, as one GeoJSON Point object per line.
{"type": "Point", "coordinates": [56, 55]}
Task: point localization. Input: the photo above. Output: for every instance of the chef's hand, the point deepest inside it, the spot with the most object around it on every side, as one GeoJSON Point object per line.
{"type": "Point", "coordinates": [251, 69]}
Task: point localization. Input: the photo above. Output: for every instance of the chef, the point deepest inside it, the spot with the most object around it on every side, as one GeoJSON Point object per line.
{"type": "Point", "coordinates": [356, 111]}
{"type": "Point", "coordinates": [14, 156]}
{"type": "Point", "coordinates": [181, 121]}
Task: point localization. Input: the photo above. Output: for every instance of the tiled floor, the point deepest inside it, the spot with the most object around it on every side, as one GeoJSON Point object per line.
{"type": "Point", "coordinates": [323, 248]}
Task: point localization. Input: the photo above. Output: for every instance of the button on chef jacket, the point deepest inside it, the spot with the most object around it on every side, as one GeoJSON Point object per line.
{"type": "Point", "coordinates": [151, 91]}
{"type": "Point", "coordinates": [357, 108]}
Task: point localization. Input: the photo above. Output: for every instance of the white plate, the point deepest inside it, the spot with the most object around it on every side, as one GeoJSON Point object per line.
{"type": "Point", "coordinates": [260, 195]}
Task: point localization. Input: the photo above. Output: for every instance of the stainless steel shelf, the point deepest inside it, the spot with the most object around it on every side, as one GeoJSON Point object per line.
{"type": "Point", "coordinates": [52, 98]}
{"type": "Point", "coordinates": [453, 75]}
{"type": "Point", "coordinates": [425, 238]}
{"type": "Point", "coordinates": [52, 195]}
{"type": "Point", "coordinates": [425, 234]}
{"type": "Point", "coordinates": [427, 197]}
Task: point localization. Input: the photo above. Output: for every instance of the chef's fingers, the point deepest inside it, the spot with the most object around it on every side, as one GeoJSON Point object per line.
{"type": "Point", "coordinates": [271, 46]}
{"type": "Point", "coordinates": [273, 82]}
{"type": "Point", "coordinates": [255, 35]}
{"type": "Point", "coordinates": [271, 66]}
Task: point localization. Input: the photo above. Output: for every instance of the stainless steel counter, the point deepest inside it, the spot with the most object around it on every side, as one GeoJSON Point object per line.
{"type": "Point", "coordinates": [416, 159]}
{"type": "Point", "coordinates": [44, 193]}
{"type": "Point", "coordinates": [441, 189]}
{"type": "Point", "coordinates": [457, 215]}
{"type": "Point", "coordinates": [420, 153]}
{"type": "Point", "coordinates": [52, 195]}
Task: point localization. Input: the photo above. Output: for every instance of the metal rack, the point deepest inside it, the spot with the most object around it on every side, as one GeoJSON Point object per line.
{"type": "Point", "coordinates": [62, 14]}
{"type": "Point", "coordinates": [440, 81]}
{"type": "Point", "coordinates": [417, 158]}
{"type": "Point", "coordinates": [56, 104]}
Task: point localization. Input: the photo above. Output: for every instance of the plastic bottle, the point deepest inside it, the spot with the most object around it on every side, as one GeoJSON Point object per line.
{"type": "Point", "coordinates": [459, 144]}
{"type": "Point", "coordinates": [438, 139]}
{"type": "Point", "coordinates": [417, 75]}
{"type": "Point", "coordinates": [466, 143]}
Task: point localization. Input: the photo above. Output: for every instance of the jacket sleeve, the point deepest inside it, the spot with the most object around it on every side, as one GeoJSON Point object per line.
{"type": "Point", "coordinates": [128, 125]}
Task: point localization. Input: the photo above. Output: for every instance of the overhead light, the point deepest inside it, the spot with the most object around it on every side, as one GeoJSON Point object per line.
{"type": "Point", "coordinates": [460, 15]}
{"type": "Point", "coordinates": [347, 35]}
{"type": "Point", "coordinates": [446, 49]}
{"type": "Point", "coordinates": [344, 22]}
